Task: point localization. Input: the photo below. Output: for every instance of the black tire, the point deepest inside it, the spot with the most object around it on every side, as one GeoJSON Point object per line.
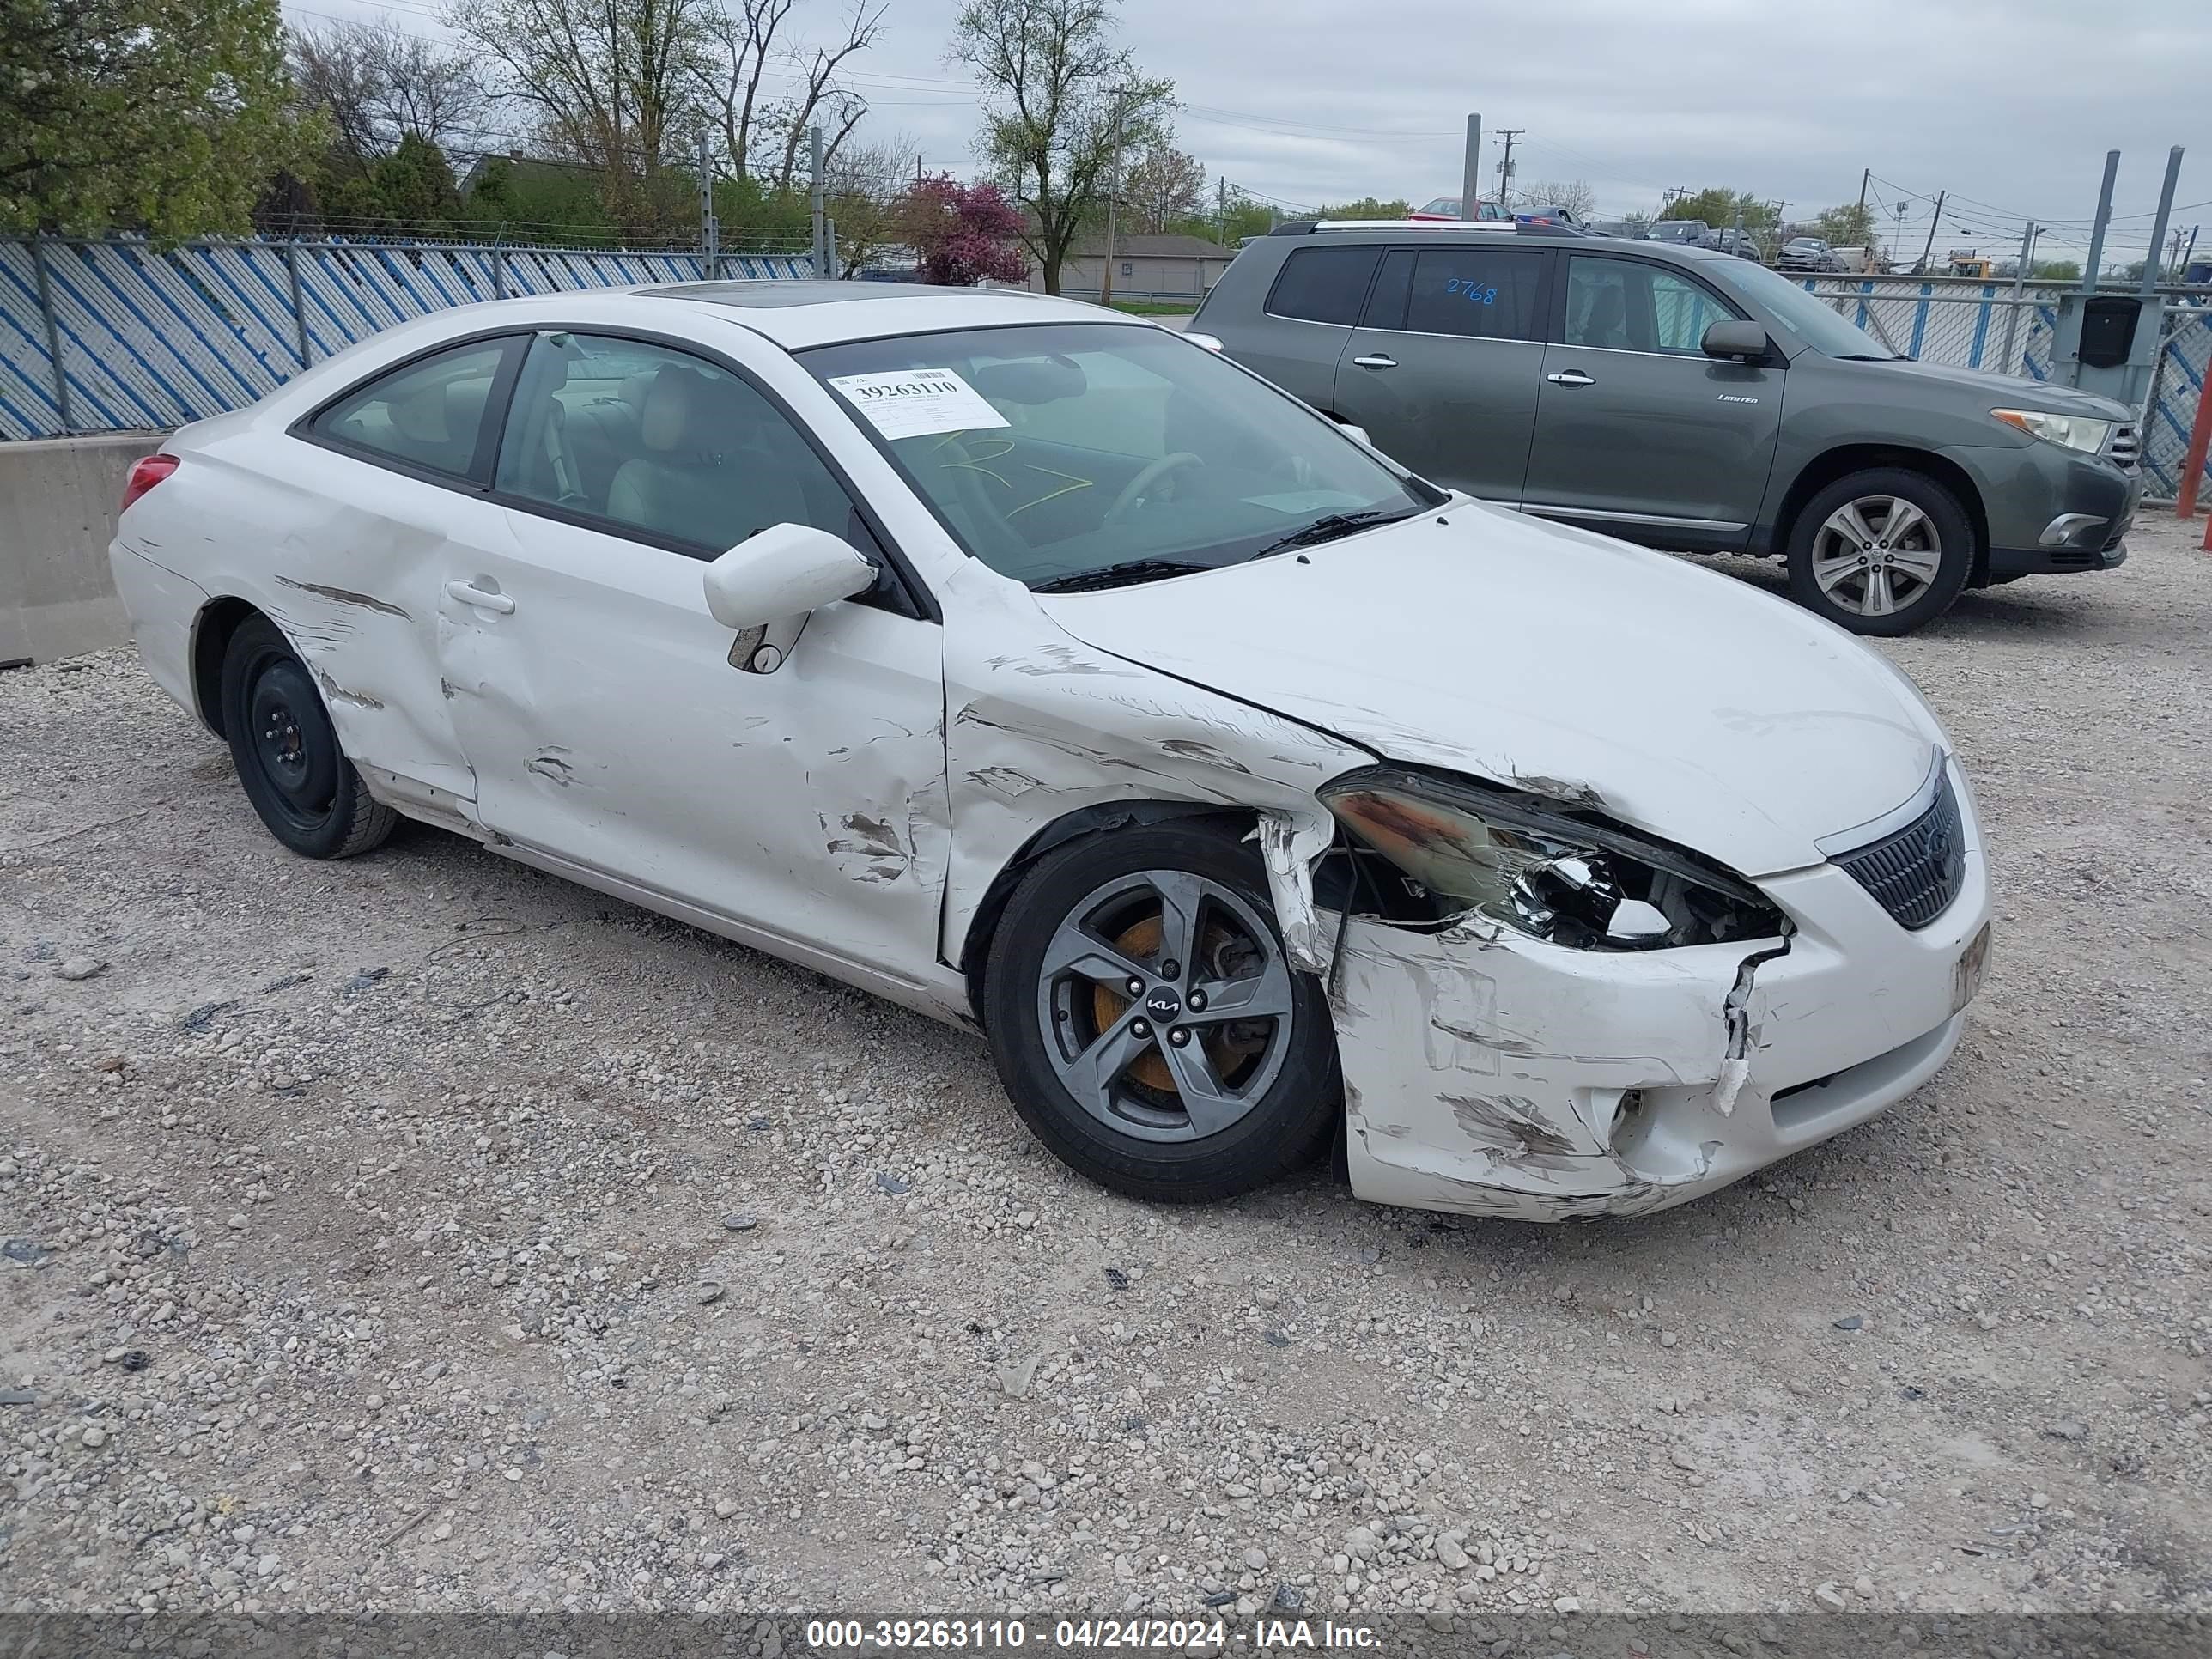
{"type": "Point", "coordinates": [1939, 534]}
{"type": "Point", "coordinates": [287, 753]}
{"type": "Point", "coordinates": [1290, 1090]}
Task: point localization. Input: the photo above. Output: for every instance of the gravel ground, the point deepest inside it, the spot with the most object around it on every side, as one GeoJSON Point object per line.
{"type": "Point", "coordinates": [422, 1232]}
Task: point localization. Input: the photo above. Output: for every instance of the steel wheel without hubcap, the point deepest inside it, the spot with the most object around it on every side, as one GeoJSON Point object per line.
{"type": "Point", "coordinates": [288, 758]}
{"type": "Point", "coordinates": [1876, 555]}
{"type": "Point", "coordinates": [291, 741]}
{"type": "Point", "coordinates": [1165, 1006]}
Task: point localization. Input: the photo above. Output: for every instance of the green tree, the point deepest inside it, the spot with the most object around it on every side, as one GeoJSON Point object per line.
{"type": "Point", "coordinates": [1368, 207]}
{"type": "Point", "coordinates": [1718, 208]}
{"type": "Point", "coordinates": [162, 115]}
{"type": "Point", "coordinates": [1846, 225]}
{"type": "Point", "coordinates": [414, 185]}
{"type": "Point", "coordinates": [1063, 100]}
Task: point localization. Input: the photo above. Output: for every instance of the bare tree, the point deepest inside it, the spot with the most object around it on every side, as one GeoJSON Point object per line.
{"type": "Point", "coordinates": [742, 47]}
{"type": "Point", "coordinates": [1163, 186]}
{"type": "Point", "coordinates": [821, 100]}
{"type": "Point", "coordinates": [1066, 100]}
{"type": "Point", "coordinates": [331, 76]}
{"type": "Point", "coordinates": [1573, 194]}
{"type": "Point", "coordinates": [612, 82]}
{"type": "Point", "coordinates": [424, 86]}
{"type": "Point", "coordinates": [375, 84]}
{"type": "Point", "coordinates": [866, 183]}
{"type": "Point", "coordinates": [745, 49]}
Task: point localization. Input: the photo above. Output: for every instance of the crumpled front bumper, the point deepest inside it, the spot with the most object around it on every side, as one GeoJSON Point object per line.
{"type": "Point", "coordinates": [1495, 1075]}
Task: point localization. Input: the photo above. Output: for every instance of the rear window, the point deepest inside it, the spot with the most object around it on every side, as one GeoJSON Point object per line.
{"type": "Point", "coordinates": [429, 413]}
{"type": "Point", "coordinates": [1324, 284]}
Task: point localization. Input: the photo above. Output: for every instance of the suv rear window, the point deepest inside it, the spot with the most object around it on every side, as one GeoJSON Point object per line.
{"type": "Point", "coordinates": [1324, 284]}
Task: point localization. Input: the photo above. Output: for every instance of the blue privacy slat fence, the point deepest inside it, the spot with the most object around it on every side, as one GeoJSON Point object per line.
{"type": "Point", "coordinates": [152, 337]}
{"type": "Point", "coordinates": [1980, 326]}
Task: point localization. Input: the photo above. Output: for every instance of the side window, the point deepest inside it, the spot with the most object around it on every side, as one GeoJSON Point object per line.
{"type": "Point", "coordinates": [1626, 304]}
{"type": "Point", "coordinates": [1323, 284]}
{"type": "Point", "coordinates": [1681, 311]}
{"type": "Point", "coordinates": [1492, 294]}
{"type": "Point", "coordinates": [430, 414]}
{"type": "Point", "coordinates": [654, 439]}
{"type": "Point", "coordinates": [1385, 306]}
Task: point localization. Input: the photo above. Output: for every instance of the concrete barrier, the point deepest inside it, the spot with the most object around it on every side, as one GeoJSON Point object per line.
{"type": "Point", "coordinates": [58, 498]}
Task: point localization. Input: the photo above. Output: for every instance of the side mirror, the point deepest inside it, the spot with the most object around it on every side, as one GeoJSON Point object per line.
{"type": "Point", "coordinates": [1739, 340]}
{"type": "Point", "coordinates": [763, 588]}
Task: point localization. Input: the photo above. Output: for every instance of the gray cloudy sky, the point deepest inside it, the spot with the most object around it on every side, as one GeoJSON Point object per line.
{"type": "Point", "coordinates": [2010, 104]}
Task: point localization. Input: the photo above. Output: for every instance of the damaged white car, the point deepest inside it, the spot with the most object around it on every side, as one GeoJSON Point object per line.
{"type": "Point", "coordinates": [1040, 669]}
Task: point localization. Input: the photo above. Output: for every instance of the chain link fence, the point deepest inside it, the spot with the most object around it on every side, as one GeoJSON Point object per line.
{"type": "Point", "coordinates": [120, 334]}
{"type": "Point", "coordinates": [2007, 330]}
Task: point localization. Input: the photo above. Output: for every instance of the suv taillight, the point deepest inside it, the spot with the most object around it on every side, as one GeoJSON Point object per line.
{"type": "Point", "coordinates": [147, 471]}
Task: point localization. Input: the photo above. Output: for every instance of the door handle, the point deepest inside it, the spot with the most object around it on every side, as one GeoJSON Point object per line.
{"type": "Point", "coordinates": [469, 593]}
{"type": "Point", "coordinates": [1570, 377]}
{"type": "Point", "coordinates": [1375, 361]}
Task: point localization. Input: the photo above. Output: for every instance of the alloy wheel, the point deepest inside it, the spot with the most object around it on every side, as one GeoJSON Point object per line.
{"type": "Point", "coordinates": [1165, 1006]}
{"type": "Point", "coordinates": [1876, 555]}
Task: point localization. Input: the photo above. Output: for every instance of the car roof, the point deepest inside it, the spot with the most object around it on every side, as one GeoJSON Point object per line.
{"type": "Point", "coordinates": [798, 314]}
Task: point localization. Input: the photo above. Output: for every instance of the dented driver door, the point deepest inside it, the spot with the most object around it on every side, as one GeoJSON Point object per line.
{"type": "Point", "coordinates": [611, 735]}
{"type": "Point", "coordinates": [609, 730]}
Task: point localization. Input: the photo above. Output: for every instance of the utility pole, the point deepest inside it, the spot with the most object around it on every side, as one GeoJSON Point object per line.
{"type": "Point", "coordinates": [2005, 364]}
{"type": "Point", "coordinates": [1113, 192]}
{"type": "Point", "coordinates": [819, 214]}
{"type": "Point", "coordinates": [1866, 178]}
{"type": "Point", "coordinates": [1934, 220]}
{"type": "Point", "coordinates": [1507, 135]}
{"type": "Point", "coordinates": [1470, 171]}
{"type": "Point", "coordinates": [1221, 211]}
{"type": "Point", "coordinates": [709, 229]}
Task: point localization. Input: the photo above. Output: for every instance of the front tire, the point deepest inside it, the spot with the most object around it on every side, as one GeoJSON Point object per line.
{"type": "Point", "coordinates": [1145, 1022]}
{"type": "Point", "coordinates": [1881, 552]}
{"type": "Point", "coordinates": [287, 752]}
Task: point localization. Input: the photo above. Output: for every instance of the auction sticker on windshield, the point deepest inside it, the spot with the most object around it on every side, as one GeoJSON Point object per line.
{"type": "Point", "coordinates": [912, 402]}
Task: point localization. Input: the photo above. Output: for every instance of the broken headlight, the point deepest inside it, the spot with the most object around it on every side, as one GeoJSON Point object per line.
{"type": "Point", "coordinates": [1541, 871]}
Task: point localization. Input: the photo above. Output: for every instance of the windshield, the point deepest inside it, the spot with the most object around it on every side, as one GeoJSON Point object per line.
{"type": "Point", "coordinates": [1059, 454]}
{"type": "Point", "coordinates": [1812, 321]}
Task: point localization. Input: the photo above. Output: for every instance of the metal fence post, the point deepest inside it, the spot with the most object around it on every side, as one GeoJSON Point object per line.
{"type": "Point", "coordinates": [53, 333]}
{"type": "Point", "coordinates": [299, 305]}
{"type": "Point", "coordinates": [498, 271]}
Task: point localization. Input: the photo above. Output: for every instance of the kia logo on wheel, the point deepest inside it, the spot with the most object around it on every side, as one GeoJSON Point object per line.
{"type": "Point", "coordinates": [1163, 1004]}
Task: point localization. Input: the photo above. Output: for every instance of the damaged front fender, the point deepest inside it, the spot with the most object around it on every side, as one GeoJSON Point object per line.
{"type": "Point", "coordinates": [1039, 728]}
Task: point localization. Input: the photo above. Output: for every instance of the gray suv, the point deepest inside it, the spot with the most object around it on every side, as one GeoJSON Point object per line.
{"type": "Point", "coordinates": [1686, 399]}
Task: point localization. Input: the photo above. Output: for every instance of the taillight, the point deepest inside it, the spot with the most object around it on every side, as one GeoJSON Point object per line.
{"type": "Point", "coordinates": [145, 472]}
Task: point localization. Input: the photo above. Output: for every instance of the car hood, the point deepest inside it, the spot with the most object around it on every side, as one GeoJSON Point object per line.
{"type": "Point", "coordinates": [1679, 701]}
{"type": "Point", "coordinates": [2005, 390]}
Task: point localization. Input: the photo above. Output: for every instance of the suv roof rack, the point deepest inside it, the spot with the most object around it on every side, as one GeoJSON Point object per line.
{"type": "Point", "coordinates": [1482, 227]}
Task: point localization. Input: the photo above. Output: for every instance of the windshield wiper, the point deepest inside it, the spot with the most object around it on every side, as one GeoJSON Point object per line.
{"type": "Point", "coordinates": [1120, 575]}
{"type": "Point", "coordinates": [1331, 526]}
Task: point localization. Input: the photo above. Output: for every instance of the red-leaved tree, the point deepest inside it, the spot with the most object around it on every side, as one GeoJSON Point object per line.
{"type": "Point", "coordinates": [963, 235]}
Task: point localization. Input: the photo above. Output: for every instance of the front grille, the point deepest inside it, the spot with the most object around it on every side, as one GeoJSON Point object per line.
{"type": "Point", "coordinates": [2125, 449]}
{"type": "Point", "coordinates": [1915, 873]}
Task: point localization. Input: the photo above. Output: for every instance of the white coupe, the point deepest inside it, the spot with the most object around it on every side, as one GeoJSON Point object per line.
{"type": "Point", "coordinates": [1045, 672]}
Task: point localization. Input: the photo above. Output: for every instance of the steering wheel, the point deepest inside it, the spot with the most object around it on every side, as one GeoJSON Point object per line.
{"type": "Point", "coordinates": [1131, 491]}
